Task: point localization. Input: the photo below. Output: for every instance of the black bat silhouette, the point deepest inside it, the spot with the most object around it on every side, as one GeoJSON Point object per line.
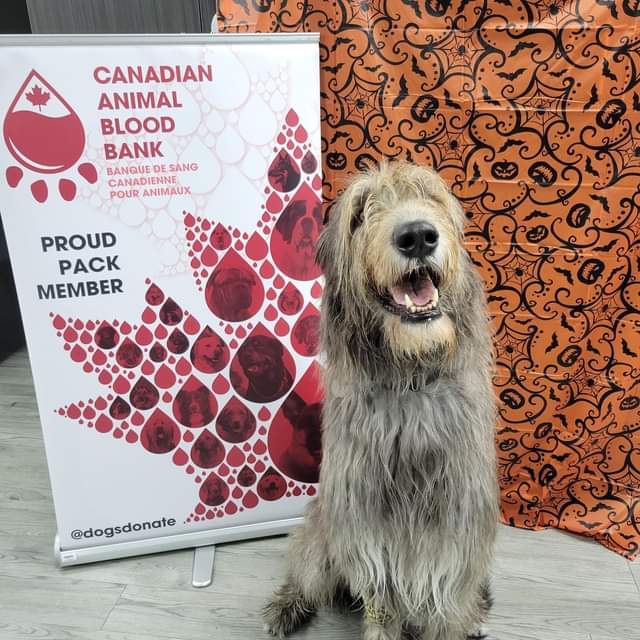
{"type": "Point", "coordinates": [565, 324]}
{"type": "Point", "coordinates": [561, 458]}
{"type": "Point", "coordinates": [536, 214]}
{"type": "Point", "coordinates": [566, 273]}
{"type": "Point", "coordinates": [415, 67]}
{"type": "Point", "coordinates": [613, 273]}
{"type": "Point", "coordinates": [600, 506]}
{"type": "Point", "coordinates": [521, 46]}
{"type": "Point", "coordinates": [603, 201]}
{"type": "Point", "coordinates": [523, 322]}
{"type": "Point", "coordinates": [415, 5]}
{"type": "Point", "coordinates": [408, 156]}
{"type": "Point", "coordinates": [553, 344]}
{"type": "Point", "coordinates": [510, 143]}
{"type": "Point", "coordinates": [373, 69]}
{"type": "Point", "coordinates": [589, 168]}
{"type": "Point", "coordinates": [495, 298]}
{"type": "Point", "coordinates": [511, 76]}
{"type": "Point", "coordinates": [476, 173]}
{"type": "Point", "coordinates": [339, 134]}
{"type": "Point", "coordinates": [449, 102]}
{"type": "Point", "coordinates": [340, 41]}
{"type": "Point", "coordinates": [562, 419]}
{"type": "Point", "coordinates": [557, 74]}
{"type": "Point", "coordinates": [552, 394]}
{"type": "Point", "coordinates": [606, 71]}
{"type": "Point", "coordinates": [488, 98]}
{"type": "Point", "coordinates": [626, 350]}
{"type": "Point", "coordinates": [606, 247]}
{"type": "Point", "coordinates": [593, 99]}
{"type": "Point", "coordinates": [334, 69]}
{"type": "Point", "coordinates": [636, 102]}
{"type": "Point", "coordinates": [403, 92]}
{"type": "Point", "coordinates": [589, 525]}
{"type": "Point", "coordinates": [591, 348]}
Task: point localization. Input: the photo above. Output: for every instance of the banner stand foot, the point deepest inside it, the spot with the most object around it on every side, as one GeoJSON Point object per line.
{"type": "Point", "coordinates": [203, 558]}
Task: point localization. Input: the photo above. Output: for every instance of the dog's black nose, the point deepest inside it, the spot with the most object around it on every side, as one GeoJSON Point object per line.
{"type": "Point", "coordinates": [416, 239]}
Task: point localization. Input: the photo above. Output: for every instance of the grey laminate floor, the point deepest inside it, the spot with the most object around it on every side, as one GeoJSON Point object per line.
{"type": "Point", "coordinates": [548, 586]}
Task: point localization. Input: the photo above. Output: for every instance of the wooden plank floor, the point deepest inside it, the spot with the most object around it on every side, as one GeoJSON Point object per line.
{"type": "Point", "coordinates": [548, 586]}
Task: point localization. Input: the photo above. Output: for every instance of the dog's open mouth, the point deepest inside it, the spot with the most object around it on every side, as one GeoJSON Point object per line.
{"type": "Point", "coordinates": [415, 297]}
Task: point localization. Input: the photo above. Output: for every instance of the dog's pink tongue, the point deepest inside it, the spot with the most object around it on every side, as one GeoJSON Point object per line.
{"type": "Point", "coordinates": [419, 292]}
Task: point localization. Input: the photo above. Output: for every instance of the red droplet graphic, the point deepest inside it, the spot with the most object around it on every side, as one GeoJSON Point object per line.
{"type": "Point", "coordinates": [271, 486]}
{"type": "Point", "coordinates": [301, 134]}
{"type": "Point", "coordinates": [14, 175]}
{"type": "Point", "coordinates": [194, 406]}
{"type": "Point", "coordinates": [291, 118]}
{"type": "Point", "coordinates": [103, 424]}
{"type": "Point", "coordinates": [191, 326]}
{"type": "Point", "coordinates": [189, 220]}
{"type": "Point", "coordinates": [41, 142]}
{"type": "Point", "coordinates": [148, 316]}
{"type": "Point", "coordinates": [270, 313]}
{"type": "Point", "coordinates": [144, 395]}
{"type": "Point", "coordinates": [295, 433]}
{"type": "Point", "coordinates": [230, 508]}
{"type": "Point", "coordinates": [234, 292]}
{"type": "Point", "coordinates": [119, 409]}
{"type": "Point", "coordinates": [78, 354]}
{"type": "Point", "coordinates": [274, 205]}
{"type": "Point", "coordinates": [183, 367]}
{"type": "Point", "coordinates": [67, 189]}
{"type": "Point", "coordinates": [316, 290]}
{"type": "Point", "coordinates": [86, 338]}
{"type": "Point", "coordinates": [235, 457]}
{"type": "Point", "coordinates": [88, 172]}
{"type": "Point", "coordinates": [214, 491]}
{"type": "Point", "coordinates": [260, 448]}
{"type": "Point", "coordinates": [250, 500]}
{"type": "Point", "coordinates": [161, 332]}
{"type": "Point", "coordinates": [282, 328]}
{"type": "Point", "coordinates": [283, 173]}
{"type": "Point", "coordinates": [59, 322]}
{"type": "Point", "coordinates": [73, 412]}
{"type": "Point", "coordinates": [295, 234]}
{"type": "Point", "coordinates": [170, 313]}
{"type": "Point", "coordinates": [264, 414]}
{"type": "Point", "coordinates": [105, 377]}
{"type": "Point", "coordinates": [129, 354]}
{"type": "Point", "coordinates": [144, 337]}
{"type": "Point", "coordinates": [257, 248]}
{"type": "Point", "coordinates": [316, 183]}
{"type": "Point", "coordinates": [297, 153]}
{"type": "Point", "coordinates": [267, 270]}
{"type": "Point", "coordinates": [220, 385]}
{"type": "Point", "coordinates": [309, 162]}
{"type": "Point", "coordinates": [177, 342]}
{"type": "Point", "coordinates": [207, 451]}
{"type": "Point", "coordinates": [224, 470]}
{"type": "Point", "coordinates": [246, 477]}
{"type": "Point", "coordinates": [209, 257]}
{"type": "Point", "coordinates": [262, 369]}
{"type": "Point", "coordinates": [160, 433]}
{"type": "Point", "coordinates": [220, 238]}
{"type": "Point", "coordinates": [131, 437]}
{"type": "Point", "coordinates": [137, 419]}
{"type": "Point", "coordinates": [278, 283]}
{"type": "Point", "coordinates": [106, 336]}
{"type": "Point", "coordinates": [305, 335]}
{"type": "Point", "coordinates": [290, 300]}
{"type": "Point", "coordinates": [70, 334]}
{"type": "Point", "coordinates": [157, 352]}
{"type": "Point", "coordinates": [180, 458]}
{"type": "Point", "coordinates": [165, 378]}
{"type": "Point", "coordinates": [154, 295]}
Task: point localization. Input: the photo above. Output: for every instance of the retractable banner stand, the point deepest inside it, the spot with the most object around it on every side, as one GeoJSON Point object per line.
{"type": "Point", "coordinates": [161, 200]}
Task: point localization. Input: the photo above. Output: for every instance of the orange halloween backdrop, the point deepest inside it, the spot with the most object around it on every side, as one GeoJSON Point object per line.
{"type": "Point", "coordinates": [531, 112]}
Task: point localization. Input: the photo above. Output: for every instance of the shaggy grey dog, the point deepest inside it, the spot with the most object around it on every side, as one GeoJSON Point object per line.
{"type": "Point", "coordinates": [406, 515]}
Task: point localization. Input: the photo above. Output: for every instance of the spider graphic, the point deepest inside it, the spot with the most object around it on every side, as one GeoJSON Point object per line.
{"type": "Point", "coordinates": [45, 135]}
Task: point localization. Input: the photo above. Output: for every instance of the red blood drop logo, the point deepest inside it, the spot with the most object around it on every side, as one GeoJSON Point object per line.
{"type": "Point", "coordinates": [207, 451]}
{"type": "Point", "coordinates": [129, 354]}
{"type": "Point", "coordinates": [272, 486]}
{"type": "Point", "coordinates": [283, 173]}
{"type": "Point", "coordinates": [106, 336]}
{"type": "Point", "coordinates": [220, 238]}
{"type": "Point", "coordinates": [144, 395]}
{"type": "Point", "coordinates": [42, 131]}
{"type": "Point", "coordinates": [170, 313]}
{"type": "Point", "coordinates": [305, 336]}
{"type": "Point", "coordinates": [234, 292]}
{"type": "Point", "coordinates": [160, 433]}
{"type": "Point", "coordinates": [246, 477]}
{"type": "Point", "coordinates": [195, 406]}
{"type": "Point", "coordinates": [177, 342]}
{"type": "Point", "coordinates": [214, 491]}
{"type": "Point", "coordinates": [290, 300]}
{"type": "Point", "coordinates": [119, 409]}
{"type": "Point", "coordinates": [209, 353]}
{"type": "Point", "coordinates": [235, 423]}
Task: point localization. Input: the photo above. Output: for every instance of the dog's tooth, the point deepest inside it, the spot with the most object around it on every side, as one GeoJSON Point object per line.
{"type": "Point", "coordinates": [434, 300]}
{"type": "Point", "coordinates": [407, 300]}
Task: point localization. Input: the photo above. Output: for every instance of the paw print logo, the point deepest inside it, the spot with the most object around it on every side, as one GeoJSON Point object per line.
{"type": "Point", "coordinates": [45, 135]}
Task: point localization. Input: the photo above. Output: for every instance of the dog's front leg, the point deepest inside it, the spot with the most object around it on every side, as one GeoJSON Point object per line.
{"type": "Point", "coordinates": [380, 623]}
{"type": "Point", "coordinates": [311, 581]}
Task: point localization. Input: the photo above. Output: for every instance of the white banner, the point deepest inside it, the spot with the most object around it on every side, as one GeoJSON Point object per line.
{"type": "Point", "coordinates": [161, 198]}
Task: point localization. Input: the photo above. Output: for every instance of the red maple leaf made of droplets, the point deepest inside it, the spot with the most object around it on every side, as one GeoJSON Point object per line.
{"type": "Point", "coordinates": [182, 387]}
{"type": "Point", "coordinates": [37, 97]}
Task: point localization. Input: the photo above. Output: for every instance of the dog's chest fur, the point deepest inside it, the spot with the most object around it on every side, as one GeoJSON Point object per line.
{"type": "Point", "coordinates": [413, 467]}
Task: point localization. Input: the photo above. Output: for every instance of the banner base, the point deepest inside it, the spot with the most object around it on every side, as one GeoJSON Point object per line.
{"type": "Point", "coordinates": [203, 559]}
{"type": "Point", "coordinates": [70, 557]}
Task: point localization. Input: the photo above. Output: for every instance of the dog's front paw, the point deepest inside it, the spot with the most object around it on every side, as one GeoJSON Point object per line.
{"type": "Point", "coordinates": [480, 633]}
{"type": "Point", "coordinates": [286, 613]}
